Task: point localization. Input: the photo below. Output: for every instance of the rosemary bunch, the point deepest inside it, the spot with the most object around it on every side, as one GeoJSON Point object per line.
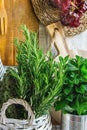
{"type": "Point", "coordinates": [38, 78]}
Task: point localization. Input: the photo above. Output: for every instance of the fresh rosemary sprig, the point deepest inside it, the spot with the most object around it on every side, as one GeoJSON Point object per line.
{"type": "Point", "coordinates": [38, 78]}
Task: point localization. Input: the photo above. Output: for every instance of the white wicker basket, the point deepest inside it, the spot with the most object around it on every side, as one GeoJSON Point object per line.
{"type": "Point", "coordinates": [42, 123]}
{"type": "Point", "coordinates": [2, 70]}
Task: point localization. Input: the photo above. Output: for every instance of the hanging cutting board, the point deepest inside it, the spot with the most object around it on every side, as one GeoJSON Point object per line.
{"type": "Point", "coordinates": [18, 12]}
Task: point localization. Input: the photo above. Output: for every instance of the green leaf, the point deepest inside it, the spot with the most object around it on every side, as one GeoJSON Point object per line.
{"type": "Point", "coordinates": [67, 90]}
{"type": "Point", "coordinates": [69, 98]}
{"type": "Point", "coordinates": [84, 69]}
{"type": "Point", "coordinates": [60, 105]}
{"type": "Point", "coordinates": [72, 67]}
{"type": "Point", "coordinates": [81, 89]}
{"type": "Point", "coordinates": [82, 108]}
{"type": "Point", "coordinates": [85, 76]}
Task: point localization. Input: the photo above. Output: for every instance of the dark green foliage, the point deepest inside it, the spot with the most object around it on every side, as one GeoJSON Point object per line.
{"type": "Point", "coordinates": [73, 97]}
{"type": "Point", "coordinates": [7, 87]}
{"type": "Point", "coordinates": [38, 78]}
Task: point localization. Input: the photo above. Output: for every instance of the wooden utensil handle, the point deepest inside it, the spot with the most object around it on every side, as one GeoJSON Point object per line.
{"type": "Point", "coordinates": [1, 3]}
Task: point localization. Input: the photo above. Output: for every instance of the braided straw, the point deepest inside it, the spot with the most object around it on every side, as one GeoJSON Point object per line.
{"type": "Point", "coordinates": [82, 27]}
{"type": "Point", "coordinates": [17, 101]}
{"type": "Point", "coordinates": [45, 12]}
{"type": "Point", "coordinates": [48, 15]}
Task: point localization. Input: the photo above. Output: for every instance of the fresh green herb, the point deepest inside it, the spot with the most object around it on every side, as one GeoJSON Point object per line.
{"type": "Point", "coordinates": [38, 78]}
{"type": "Point", "coordinates": [73, 97]}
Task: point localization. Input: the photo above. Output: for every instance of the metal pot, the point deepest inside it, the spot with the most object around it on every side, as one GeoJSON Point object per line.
{"type": "Point", "coordinates": [74, 122]}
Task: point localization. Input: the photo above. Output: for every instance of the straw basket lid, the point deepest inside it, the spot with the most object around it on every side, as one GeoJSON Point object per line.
{"type": "Point", "coordinates": [48, 15]}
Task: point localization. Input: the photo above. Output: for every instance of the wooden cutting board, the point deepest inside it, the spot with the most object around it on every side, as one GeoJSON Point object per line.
{"type": "Point", "coordinates": [18, 12]}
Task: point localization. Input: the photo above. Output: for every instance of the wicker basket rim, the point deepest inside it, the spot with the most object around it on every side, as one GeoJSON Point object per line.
{"type": "Point", "coordinates": [41, 123]}
{"type": "Point", "coordinates": [22, 102]}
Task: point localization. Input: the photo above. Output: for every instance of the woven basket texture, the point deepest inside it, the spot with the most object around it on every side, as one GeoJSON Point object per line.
{"type": "Point", "coordinates": [41, 123]}
{"type": "Point", "coordinates": [45, 12]}
{"type": "Point", "coordinates": [82, 27]}
{"type": "Point", "coordinates": [48, 15]}
{"type": "Point", "coordinates": [2, 70]}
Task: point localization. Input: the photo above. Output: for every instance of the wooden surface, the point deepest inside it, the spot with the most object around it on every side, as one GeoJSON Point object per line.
{"type": "Point", "coordinates": [18, 12]}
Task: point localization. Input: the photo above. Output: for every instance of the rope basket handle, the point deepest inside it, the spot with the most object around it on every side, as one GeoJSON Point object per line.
{"type": "Point", "coordinates": [20, 102]}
